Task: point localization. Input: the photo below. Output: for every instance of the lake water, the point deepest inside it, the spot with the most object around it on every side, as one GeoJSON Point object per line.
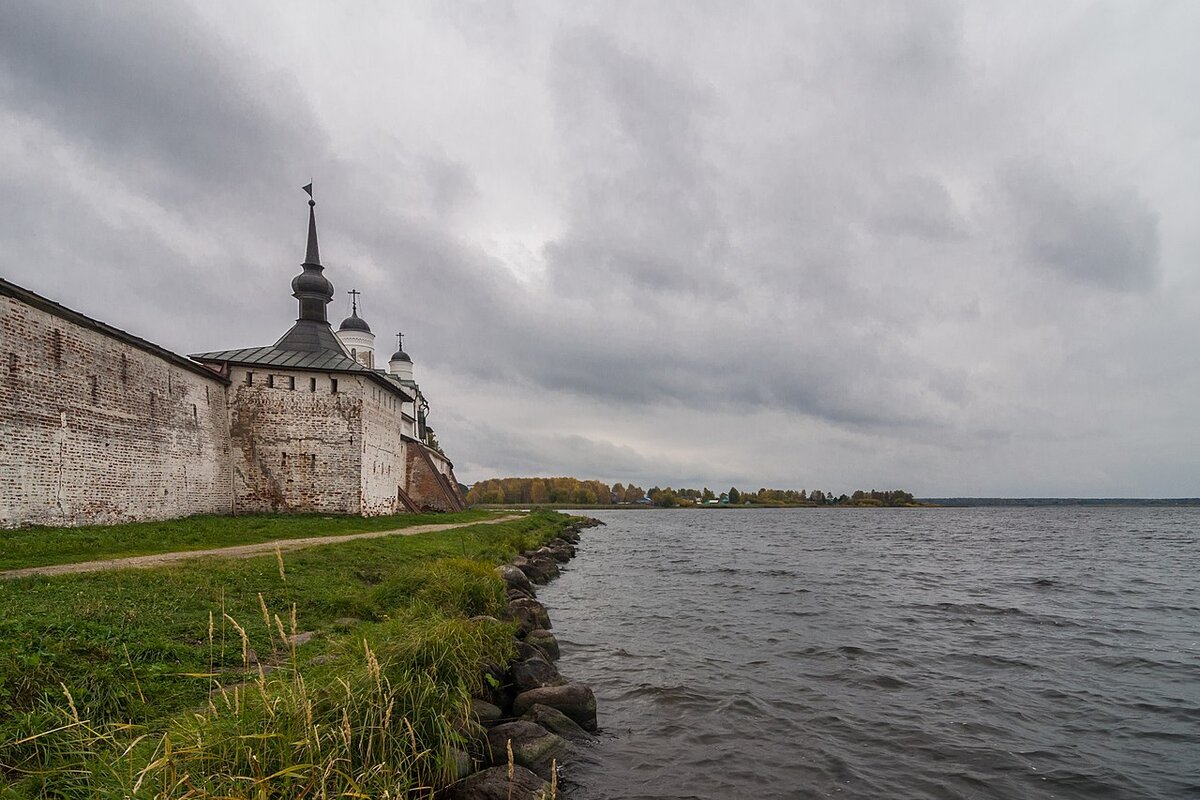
{"type": "Point", "coordinates": [887, 653]}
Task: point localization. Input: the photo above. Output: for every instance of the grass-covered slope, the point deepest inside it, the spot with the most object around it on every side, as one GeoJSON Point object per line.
{"type": "Point", "coordinates": [182, 681]}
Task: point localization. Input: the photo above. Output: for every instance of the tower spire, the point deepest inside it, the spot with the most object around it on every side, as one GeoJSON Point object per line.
{"type": "Point", "coordinates": [311, 287]}
{"type": "Point", "coordinates": [313, 254]}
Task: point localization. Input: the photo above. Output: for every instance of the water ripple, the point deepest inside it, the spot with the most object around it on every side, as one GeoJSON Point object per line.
{"type": "Point", "coordinates": [948, 653]}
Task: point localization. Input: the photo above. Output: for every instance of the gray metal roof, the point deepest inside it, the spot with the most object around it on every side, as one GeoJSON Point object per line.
{"type": "Point", "coordinates": [325, 360]}
{"type": "Point", "coordinates": [310, 336]}
{"type": "Point", "coordinates": [321, 360]}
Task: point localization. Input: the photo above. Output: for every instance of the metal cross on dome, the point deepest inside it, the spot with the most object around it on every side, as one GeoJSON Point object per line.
{"type": "Point", "coordinates": [354, 293]}
{"type": "Point", "coordinates": [399, 341]}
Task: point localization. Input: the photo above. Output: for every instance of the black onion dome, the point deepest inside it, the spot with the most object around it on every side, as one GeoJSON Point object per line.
{"type": "Point", "coordinates": [354, 323]}
{"type": "Point", "coordinates": [312, 282]}
{"type": "Point", "coordinates": [400, 355]}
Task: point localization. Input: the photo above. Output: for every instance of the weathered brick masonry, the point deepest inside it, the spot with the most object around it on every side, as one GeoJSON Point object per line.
{"type": "Point", "coordinates": [297, 446]}
{"type": "Point", "coordinates": [99, 426]}
{"type": "Point", "coordinates": [431, 482]}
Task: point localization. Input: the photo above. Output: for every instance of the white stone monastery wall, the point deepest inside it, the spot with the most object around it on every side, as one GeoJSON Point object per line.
{"type": "Point", "coordinates": [96, 430]}
{"type": "Point", "coordinates": [384, 461]}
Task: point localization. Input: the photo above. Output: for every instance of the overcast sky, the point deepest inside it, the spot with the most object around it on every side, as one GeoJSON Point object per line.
{"type": "Point", "coordinates": [946, 247]}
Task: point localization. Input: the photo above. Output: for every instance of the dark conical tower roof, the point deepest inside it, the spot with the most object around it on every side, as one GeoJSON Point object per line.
{"type": "Point", "coordinates": [311, 287]}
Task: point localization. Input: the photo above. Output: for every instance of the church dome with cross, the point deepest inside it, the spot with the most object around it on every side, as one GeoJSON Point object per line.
{"type": "Point", "coordinates": [400, 365]}
{"type": "Point", "coordinates": [355, 335]}
{"type": "Point", "coordinates": [354, 323]}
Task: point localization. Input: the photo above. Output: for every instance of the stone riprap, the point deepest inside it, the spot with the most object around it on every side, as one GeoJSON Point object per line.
{"type": "Point", "coordinates": [533, 717]}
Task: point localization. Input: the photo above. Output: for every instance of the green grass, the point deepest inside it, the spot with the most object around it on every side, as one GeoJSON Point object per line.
{"type": "Point", "coordinates": [40, 546]}
{"type": "Point", "coordinates": [134, 651]}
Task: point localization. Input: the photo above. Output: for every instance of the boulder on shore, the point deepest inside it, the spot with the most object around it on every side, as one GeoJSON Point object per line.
{"type": "Point", "coordinates": [561, 549]}
{"type": "Point", "coordinates": [529, 615]}
{"type": "Point", "coordinates": [526, 650]}
{"type": "Point", "coordinates": [516, 594]}
{"type": "Point", "coordinates": [485, 713]}
{"type": "Point", "coordinates": [494, 784]}
{"type": "Point", "coordinates": [515, 578]}
{"type": "Point", "coordinates": [533, 747]}
{"type": "Point", "coordinates": [538, 568]}
{"type": "Point", "coordinates": [534, 673]}
{"type": "Point", "coordinates": [573, 699]}
{"type": "Point", "coordinates": [544, 640]}
{"type": "Point", "coordinates": [557, 723]}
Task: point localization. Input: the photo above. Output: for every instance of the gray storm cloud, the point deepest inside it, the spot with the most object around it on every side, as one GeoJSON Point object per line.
{"type": "Point", "coordinates": [938, 245]}
{"type": "Point", "coordinates": [1103, 235]}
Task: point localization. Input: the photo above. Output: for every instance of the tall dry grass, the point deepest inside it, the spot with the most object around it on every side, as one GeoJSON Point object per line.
{"type": "Point", "coordinates": [382, 715]}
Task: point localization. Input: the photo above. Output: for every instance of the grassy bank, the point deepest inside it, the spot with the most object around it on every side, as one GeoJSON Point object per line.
{"type": "Point", "coordinates": [39, 546]}
{"type": "Point", "coordinates": [184, 681]}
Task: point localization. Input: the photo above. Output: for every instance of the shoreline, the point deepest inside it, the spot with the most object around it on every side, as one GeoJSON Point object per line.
{"type": "Point", "coordinates": [933, 502]}
{"type": "Point", "coordinates": [532, 719]}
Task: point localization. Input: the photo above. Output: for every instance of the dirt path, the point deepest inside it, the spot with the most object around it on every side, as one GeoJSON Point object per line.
{"type": "Point", "coordinates": [237, 551]}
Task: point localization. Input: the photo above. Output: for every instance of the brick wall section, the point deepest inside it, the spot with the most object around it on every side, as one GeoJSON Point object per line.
{"type": "Point", "coordinates": [296, 447]}
{"type": "Point", "coordinates": [428, 486]}
{"type": "Point", "coordinates": [96, 430]}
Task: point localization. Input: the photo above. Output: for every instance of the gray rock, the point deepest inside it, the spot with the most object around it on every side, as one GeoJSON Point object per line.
{"type": "Point", "coordinates": [539, 568]}
{"type": "Point", "coordinates": [557, 723]}
{"type": "Point", "coordinates": [545, 641]}
{"type": "Point", "coordinates": [533, 673]}
{"type": "Point", "coordinates": [486, 713]}
{"type": "Point", "coordinates": [529, 615]}
{"type": "Point", "coordinates": [526, 650]}
{"type": "Point", "coordinates": [517, 594]}
{"type": "Point", "coordinates": [494, 784]}
{"type": "Point", "coordinates": [533, 747]}
{"type": "Point", "coordinates": [561, 549]}
{"type": "Point", "coordinates": [574, 699]}
{"type": "Point", "coordinates": [515, 578]}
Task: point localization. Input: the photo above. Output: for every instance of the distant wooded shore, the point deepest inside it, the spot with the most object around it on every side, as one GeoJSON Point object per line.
{"type": "Point", "coordinates": [573, 493]}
